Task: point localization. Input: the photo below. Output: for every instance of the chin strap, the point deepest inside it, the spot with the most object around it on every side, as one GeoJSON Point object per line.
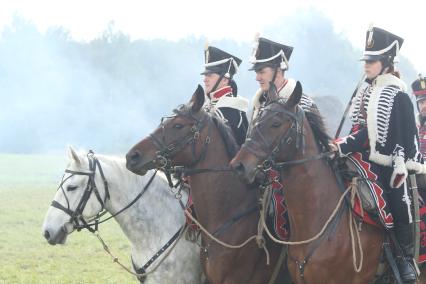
{"type": "Point", "coordinates": [217, 84]}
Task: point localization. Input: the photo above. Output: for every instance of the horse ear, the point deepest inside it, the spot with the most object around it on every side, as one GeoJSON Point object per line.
{"type": "Point", "coordinates": [295, 97]}
{"type": "Point", "coordinates": [72, 155]}
{"type": "Point", "coordinates": [272, 92]}
{"type": "Point", "coordinates": [197, 100]}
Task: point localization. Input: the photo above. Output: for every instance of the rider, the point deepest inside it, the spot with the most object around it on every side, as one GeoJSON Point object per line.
{"type": "Point", "coordinates": [270, 61]}
{"type": "Point", "coordinates": [419, 91]}
{"type": "Point", "coordinates": [221, 90]}
{"type": "Point", "coordinates": [384, 132]}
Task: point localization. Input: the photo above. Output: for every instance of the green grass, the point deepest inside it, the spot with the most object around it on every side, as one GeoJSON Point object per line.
{"type": "Point", "coordinates": [27, 186]}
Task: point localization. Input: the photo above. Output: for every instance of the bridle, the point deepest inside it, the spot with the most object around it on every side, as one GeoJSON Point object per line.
{"type": "Point", "coordinates": [294, 136]}
{"type": "Point", "coordinates": [77, 215]}
{"type": "Point", "coordinates": [79, 223]}
{"type": "Point", "coordinates": [166, 151]}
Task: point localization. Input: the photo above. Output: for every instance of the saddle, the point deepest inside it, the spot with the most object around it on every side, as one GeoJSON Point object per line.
{"type": "Point", "coordinates": [353, 175]}
{"type": "Point", "coordinates": [371, 203]}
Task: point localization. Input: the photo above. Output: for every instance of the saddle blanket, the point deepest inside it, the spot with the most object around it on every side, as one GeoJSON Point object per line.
{"type": "Point", "coordinates": [382, 217]}
{"type": "Point", "coordinates": [278, 217]}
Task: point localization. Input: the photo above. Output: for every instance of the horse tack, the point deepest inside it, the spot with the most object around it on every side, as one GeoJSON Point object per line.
{"type": "Point", "coordinates": [76, 215]}
{"type": "Point", "coordinates": [316, 243]}
{"type": "Point", "coordinates": [329, 227]}
{"type": "Point", "coordinates": [270, 162]}
{"type": "Point", "coordinates": [273, 181]}
{"type": "Point", "coordinates": [165, 152]}
{"type": "Point", "coordinates": [141, 273]}
{"type": "Point", "coordinates": [293, 135]}
{"type": "Point", "coordinates": [94, 164]}
{"type": "Point", "coordinates": [91, 187]}
{"type": "Point", "coordinates": [193, 170]}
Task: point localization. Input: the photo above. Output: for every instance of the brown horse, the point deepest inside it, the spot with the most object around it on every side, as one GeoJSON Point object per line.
{"type": "Point", "coordinates": [224, 205]}
{"type": "Point", "coordinates": [294, 141]}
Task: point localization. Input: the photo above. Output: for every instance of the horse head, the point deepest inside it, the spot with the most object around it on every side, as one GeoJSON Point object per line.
{"type": "Point", "coordinates": [174, 139]}
{"type": "Point", "coordinates": [80, 197]}
{"type": "Point", "coordinates": [276, 134]}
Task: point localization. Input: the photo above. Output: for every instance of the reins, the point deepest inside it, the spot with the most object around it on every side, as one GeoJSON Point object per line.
{"type": "Point", "coordinates": [76, 215]}
{"type": "Point", "coordinates": [91, 187]}
{"type": "Point", "coordinates": [163, 162]}
{"type": "Point", "coordinates": [137, 197]}
{"type": "Point", "coordinates": [143, 274]}
{"type": "Point", "coordinates": [295, 135]}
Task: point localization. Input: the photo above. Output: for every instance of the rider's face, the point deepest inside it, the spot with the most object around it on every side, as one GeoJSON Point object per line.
{"type": "Point", "coordinates": [264, 76]}
{"type": "Point", "coordinates": [422, 107]}
{"type": "Point", "coordinates": [372, 68]}
{"type": "Point", "coordinates": [210, 80]}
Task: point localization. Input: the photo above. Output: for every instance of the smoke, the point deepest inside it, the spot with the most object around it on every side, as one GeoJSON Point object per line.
{"type": "Point", "coordinates": [109, 93]}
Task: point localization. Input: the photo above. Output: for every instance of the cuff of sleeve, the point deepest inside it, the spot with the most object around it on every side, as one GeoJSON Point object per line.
{"type": "Point", "coordinates": [399, 173]}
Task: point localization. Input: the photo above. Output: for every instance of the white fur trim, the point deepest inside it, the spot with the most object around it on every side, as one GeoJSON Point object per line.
{"type": "Point", "coordinates": [256, 103]}
{"type": "Point", "coordinates": [378, 158]}
{"type": "Point", "coordinates": [389, 79]}
{"type": "Point", "coordinates": [238, 102]}
{"type": "Point", "coordinates": [379, 83]}
{"type": "Point", "coordinates": [284, 93]}
{"type": "Point", "coordinates": [288, 88]}
{"type": "Point", "coordinates": [415, 166]}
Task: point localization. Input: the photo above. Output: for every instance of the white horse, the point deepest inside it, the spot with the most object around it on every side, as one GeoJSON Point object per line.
{"type": "Point", "coordinates": [148, 224]}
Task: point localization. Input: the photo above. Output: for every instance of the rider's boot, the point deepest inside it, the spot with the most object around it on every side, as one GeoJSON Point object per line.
{"type": "Point", "coordinates": [405, 235]}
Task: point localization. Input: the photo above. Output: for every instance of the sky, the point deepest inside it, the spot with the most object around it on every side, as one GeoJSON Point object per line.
{"type": "Point", "coordinates": [237, 20]}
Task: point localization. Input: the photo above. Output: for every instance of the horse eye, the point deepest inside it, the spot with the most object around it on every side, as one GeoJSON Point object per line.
{"type": "Point", "coordinates": [71, 187]}
{"type": "Point", "coordinates": [177, 126]}
{"type": "Point", "coordinates": [276, 124]}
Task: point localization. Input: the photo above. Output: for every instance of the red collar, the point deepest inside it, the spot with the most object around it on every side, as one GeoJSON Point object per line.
{"type": "Point", "coordinates": [220, 93]}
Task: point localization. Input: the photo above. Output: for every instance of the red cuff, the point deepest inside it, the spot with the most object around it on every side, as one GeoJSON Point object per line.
{"type": "Point", "coordinates": [398, 180]}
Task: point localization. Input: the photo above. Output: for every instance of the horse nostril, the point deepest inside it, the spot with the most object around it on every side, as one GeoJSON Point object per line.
{"type": "Point", "coordinates": [47, 235]}
{"type": "Point", "coordinates": [134, 157]}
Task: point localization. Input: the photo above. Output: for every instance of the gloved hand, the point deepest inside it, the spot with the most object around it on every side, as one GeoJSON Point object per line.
{"type": "Point", "coordinates": [335, 149]}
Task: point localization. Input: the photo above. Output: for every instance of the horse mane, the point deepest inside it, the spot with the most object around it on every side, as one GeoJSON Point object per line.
{"type": "Point", "coordinates": [316, 121]}
{"type": "Point", "coordinates": [119, 164]}
{"type": "Point", "coordinates": [224, 129]}
{"type": "Point", "coordinates": [227, 136]}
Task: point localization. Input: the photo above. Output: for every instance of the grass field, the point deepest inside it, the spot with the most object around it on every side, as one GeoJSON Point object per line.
{"type": "Point", "coordinates": [27, 186]}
